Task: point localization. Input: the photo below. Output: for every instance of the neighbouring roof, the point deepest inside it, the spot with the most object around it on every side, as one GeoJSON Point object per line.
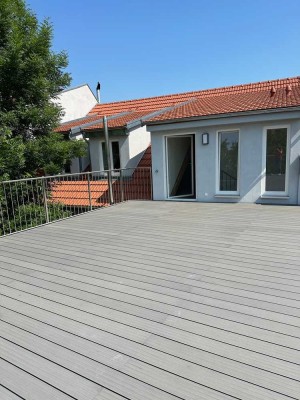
{"type": "Point", "coordinates": [274, 94]}
{"type": "Point", "coordinates": [76, 193]}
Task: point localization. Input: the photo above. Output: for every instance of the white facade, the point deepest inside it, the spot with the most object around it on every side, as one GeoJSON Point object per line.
{"type": "Point", "coordinates": [76, 102]}
{"type": "Point", "coordinates": [131, 148]}
{"type": "Point", "coordinates": [251, 131]}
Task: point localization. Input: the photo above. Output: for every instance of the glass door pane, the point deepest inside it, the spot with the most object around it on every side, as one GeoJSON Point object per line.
{"type": "Point", "coordinates": [276, 160]}
{"type": "Point", "coordinates": [229, 158]}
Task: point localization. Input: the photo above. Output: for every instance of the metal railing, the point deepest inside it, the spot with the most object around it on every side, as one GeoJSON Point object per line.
{"type": "Point", "coordinates": [227, 181]}
{"type": "Point", "coordinates": [27, 203]}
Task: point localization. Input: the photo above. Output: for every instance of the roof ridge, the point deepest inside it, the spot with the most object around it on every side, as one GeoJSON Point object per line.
{"type": "Point", "coordinates": [212, 90]}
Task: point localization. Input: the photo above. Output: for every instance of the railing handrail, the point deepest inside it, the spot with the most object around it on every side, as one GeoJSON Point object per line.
{"type": "Point", "coordinates": [73, 174]}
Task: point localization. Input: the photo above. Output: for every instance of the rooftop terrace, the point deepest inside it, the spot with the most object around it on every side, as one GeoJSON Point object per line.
{"type": "Point", "coordinates": [153, 301]}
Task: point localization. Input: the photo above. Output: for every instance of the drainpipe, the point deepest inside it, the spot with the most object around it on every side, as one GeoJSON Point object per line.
{"type": "Point", "coordinates": [111, 198]}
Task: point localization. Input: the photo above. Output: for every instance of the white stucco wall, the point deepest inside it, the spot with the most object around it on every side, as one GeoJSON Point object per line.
{"type": "Point", "coordinates": [138, 141]}
{"type": "Point", "coordinates": [76, 102]}
{"type": "Point", "coordinates": [251, 169]}
{"type": "Point", "coordinates": [132, 147]}
{"type": "Point", "coordinates": [75, 165]}
{"type": "Point", "coordinates": [97, 156]}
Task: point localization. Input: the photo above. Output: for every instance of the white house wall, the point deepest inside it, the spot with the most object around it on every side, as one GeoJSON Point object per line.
{"type": "Point", "coordinates": [76, 102]}
{"type": "Point", "coordinates": [138, 141]}
{"type": "Point", "coordinates": [251, 171]}
{"type": "Point", "coordinates": [97, 156]}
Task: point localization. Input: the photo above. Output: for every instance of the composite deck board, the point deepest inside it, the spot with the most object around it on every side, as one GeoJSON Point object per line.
{"type": "Point", "coordinates": [230, 268]}
{"type": "Point", "coordinates": [27, 386]}
{"type": "Point", "coordinates": [154, 300]}
{"type": "Point", "coordinates": [115, 299]}
{"type": "Point", "coordinates": [253, 327]}
{"type": "Point", "coordinates": [205, 288]}
{"type": "Point", "coordinates": [185, 320]}
{"type": "Point", "coordinates": [161, 360]}
{"type": "Point", "coordinates": [238, 348]}
{"type": "Point", "coordinates": [161, 267]}
{"type": "Point", "coordinates": [272, 321]}
{"type": "Point", "coordinates": [178, 257]}
{"type": "Point", "coordinates": [8, 395]}
{"type": "Point", "coordinates": [164, 278]}
{"type": "Point", "coordinates": [205, 252]}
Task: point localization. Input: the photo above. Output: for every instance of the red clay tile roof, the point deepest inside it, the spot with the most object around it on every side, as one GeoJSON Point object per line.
{"type": "Point", "coordinates": [146, 158]}
{"type": "Point", "coordinates": [121, 121]}
{"type": "Point", "coordinates": [232, 103]}
{"type": "Point", "coordinates": [77, 122]}
{"type": "Point", "coordinates": [75, 193]}
{"type": "Point", "coordinates": [252, 96]}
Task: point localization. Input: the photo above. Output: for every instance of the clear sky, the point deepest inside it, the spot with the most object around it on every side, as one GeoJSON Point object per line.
{"type": "Point", "coordinates": [142, 48]}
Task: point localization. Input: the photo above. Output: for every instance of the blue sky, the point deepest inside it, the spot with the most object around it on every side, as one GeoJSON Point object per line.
{"type": "Point", "coordinates": [139, 48]}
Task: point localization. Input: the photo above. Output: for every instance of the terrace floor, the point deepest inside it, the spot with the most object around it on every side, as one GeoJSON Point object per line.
{"type": "Point", "coordinates": [153, 301]}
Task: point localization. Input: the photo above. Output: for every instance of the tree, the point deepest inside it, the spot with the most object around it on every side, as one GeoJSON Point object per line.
{"type": "Point", "coordinates": [31, 75]}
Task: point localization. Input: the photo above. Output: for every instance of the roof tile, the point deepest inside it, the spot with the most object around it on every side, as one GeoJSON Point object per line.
{"type": "Point", "coordinates": [239, 98]}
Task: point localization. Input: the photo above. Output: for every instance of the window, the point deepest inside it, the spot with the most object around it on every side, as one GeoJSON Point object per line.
{"type": "Point", "coordinates": [276, 159]}
{"type": "Point", "coordinates": [228, 161]}
{"type": "Point", "coordinates": [115, 151]}
{"type": "Point", "coordinates": [115, 154]}
{"type": "Point", "coordinates": [104, 156]}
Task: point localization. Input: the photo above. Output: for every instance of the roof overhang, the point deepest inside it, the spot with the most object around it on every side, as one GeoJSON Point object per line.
{"type": "Point", "coordinates": [96, 133]}
{"type": "Point", "coordinates": [237, 117]}
{"type": "Point", "coordinates": [76, 130]}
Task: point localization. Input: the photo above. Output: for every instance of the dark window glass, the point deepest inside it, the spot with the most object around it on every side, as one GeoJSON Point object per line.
{"type": "Point", "coordinates": [115, 155]}
{"type": "Point", "coordinates": [276, 160]}
{"type": "Point", "coordinates": [229, 154]}
{"type": "Point", "coordinates": [104, 155]}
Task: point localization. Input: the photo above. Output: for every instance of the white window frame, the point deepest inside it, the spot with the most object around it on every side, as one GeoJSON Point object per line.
{"type": "Point", "coordinates": [264, 162]}
{"type": "Point", "coordinates": [218, 176]}
{"type": "Point", "coordinates": [111, 161]}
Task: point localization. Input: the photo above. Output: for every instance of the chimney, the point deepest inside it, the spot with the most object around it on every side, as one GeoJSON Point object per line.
{"type": "Point", "coordinates": [273, 91]}
{"type": "Point", "coordinates": [98, 87]}
{"type": "Point", "coordinates": [288, 89]}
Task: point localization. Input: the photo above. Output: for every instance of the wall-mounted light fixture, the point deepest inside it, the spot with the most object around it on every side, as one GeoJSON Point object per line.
{"type": "Point", "coordinates": [205, 138]}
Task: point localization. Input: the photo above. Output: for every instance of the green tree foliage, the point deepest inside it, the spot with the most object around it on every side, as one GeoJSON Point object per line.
{"type": "Point", "coordinates": [31, 76]}
{"type": "Point", "coordinates": [30, 72]}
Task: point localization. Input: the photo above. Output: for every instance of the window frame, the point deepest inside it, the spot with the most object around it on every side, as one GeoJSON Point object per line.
{"type": "Point", "coordinates": [227, 192]}
{"type": "Point", "coordinates": [111, 152]}
{"type": "Point", "coordinates": [264, 192]}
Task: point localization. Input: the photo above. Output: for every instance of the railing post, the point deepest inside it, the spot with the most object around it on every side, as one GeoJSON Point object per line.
{"type": "Point", "coordinates": [109, 176]}
{"type": "Point", "coordinates": [89, 189]}
{"type": "Point", "coordinates": [121, 186]}
{"type": "Point", "coordinates": [45, 201]}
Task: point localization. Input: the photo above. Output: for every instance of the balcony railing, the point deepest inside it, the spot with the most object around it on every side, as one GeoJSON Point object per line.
{"type": "Point", "coordinates": [27, 203]}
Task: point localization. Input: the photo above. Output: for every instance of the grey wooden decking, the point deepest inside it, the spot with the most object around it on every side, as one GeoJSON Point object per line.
{"type": "Point", "coordinates": [153, 301]}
